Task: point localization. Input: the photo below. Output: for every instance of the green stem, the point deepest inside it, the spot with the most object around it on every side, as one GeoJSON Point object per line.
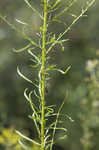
{"type": "Point", "coordinates": [43, 71]}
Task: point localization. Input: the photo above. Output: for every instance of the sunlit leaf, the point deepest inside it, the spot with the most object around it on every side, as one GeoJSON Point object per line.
{"type": "Point", "coordinates": [27, 138]}
{"type": "Point", "coordinates": [24, 77]}
{"type": "Point", "coordinates": [61, 71]}
{"type": "Point", "coordinates": [32, 54]}
{"type": "Point", "coordinates": [34, 10]}
{"type": "Point", "coordinates": [22, 49]}
{"type": "Point", "coordinates": [21, 22]}
{"type": "Point", "coordinates": [19, 31]}
{"type": "Point", "coordinates": [23, 145]}
{"type": "Point", "coordinates": [56, 3]}
{"type": "Point", "coordinates": [62, 137]}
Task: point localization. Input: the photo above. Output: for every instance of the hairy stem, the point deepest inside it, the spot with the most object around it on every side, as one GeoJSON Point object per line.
{"type": "Point", "coordinates": [43, 71]}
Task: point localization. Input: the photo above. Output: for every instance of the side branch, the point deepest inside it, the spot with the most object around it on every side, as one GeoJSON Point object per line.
{"type": "Point", "coordinates": [70, 26]}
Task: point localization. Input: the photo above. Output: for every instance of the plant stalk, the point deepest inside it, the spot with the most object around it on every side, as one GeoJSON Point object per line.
{"type": "Point", "coordinates": [43, 72]}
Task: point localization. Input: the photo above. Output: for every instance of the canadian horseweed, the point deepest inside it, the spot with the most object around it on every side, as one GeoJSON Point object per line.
{"type": "Point", "coordinates": [41, 113]}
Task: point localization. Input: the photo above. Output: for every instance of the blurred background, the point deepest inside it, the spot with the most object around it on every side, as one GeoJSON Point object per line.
{"type": "Point", "coordinates": [80, 85]}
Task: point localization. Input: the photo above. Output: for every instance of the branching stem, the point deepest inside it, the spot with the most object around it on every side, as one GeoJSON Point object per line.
{"type": "Point", "coordinates": [43, 71]}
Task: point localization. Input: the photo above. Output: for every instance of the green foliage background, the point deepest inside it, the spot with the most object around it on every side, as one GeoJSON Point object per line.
{"type": "Point", "coordinates": [81, 83]}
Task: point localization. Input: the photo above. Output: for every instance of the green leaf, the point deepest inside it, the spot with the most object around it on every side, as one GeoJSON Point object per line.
{"type": "Point", "coordinates": [36, 63]}
{"type": "Point", "coordinates": [51, 40]}
{"type": "Point", "coordinates": [19, 31]}
{"type": "Point", "coordinates": [34, 108]}
{"type": "Point", "coordinates": [56, 42]}
{"type": "Point", "coordinates": [62, 47]}
{"type": "Point", "coordinates": [27, 138]}
{"type": "Point", "coordinates": [69, 118]}
{"type": "Point", "coordinates": [63, 129]}
{"type": "Point", "coordinates": [62, 41]}
{"type": "Point", "coordinates": [55, 4]}
{"type": "Point", "coordinates": [21, 22]}
{"type": "Point", "coordinates": [22, 49]}
{"type": "Point", "coordinates": [21, 75]}
{"type": "Point", "coordinates": [32, 54]}
{"type": "Point", "coordinates": [35, 117]}
{"type": "Point", "coordinates": [33, 9]}
{"type": "Point", "coordinates": [23, 145]}
{"type": "Point", "coordinates": [38, 97]}
{"type": "Point", "coordinates": [66, 8]}
{"type": "Point", "coordinates": [63, 72]}
{"type": "Point", "coordinates": [25, 78]}
{"type": "Point", "coordinates": [51, 67]}
{"type": "Point", "coordinates": [62, 137]}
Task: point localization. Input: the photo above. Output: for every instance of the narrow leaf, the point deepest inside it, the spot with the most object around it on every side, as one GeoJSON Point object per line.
{"type": "Point", "coordinates": [25, 94]}
{"type": "Point", "coordinates": [32, 54]}
{"type": "Point", "coordinates": [19, 31]}
{"type": "Point", "coordinates": [21, 22]}
{"type": "Point", "coordinates": [70, 26]}
{"type": "Point", "coordinates": [27, 138]}
{"type": "Point", "coordinates": [63, 72]}
{"type": "Point", "coordinates": [34, 116]}
{"type": "Point", "coordinates": [56, 3]}
{"type": "Point", "coordinates": [22, 49]}
{"type": "Point", "coordinates": [51, 40]}
{"type": "Point", "coordinates": [34, 66]}
{"type": "Point", "coordinates": [63, 129]}
{"type": "Point", "coordinates": [69, 118]}
{"type": "Point", "coordinates": [25, 78]}
{"type": "Point", "coordinates": [23, 145]}
{"type": "Point", "coordinates": [33, 9]}
{"type": "Point", "coordinates": [62, 137]}
{"type": "Point", "coordinates": [56, 122]}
